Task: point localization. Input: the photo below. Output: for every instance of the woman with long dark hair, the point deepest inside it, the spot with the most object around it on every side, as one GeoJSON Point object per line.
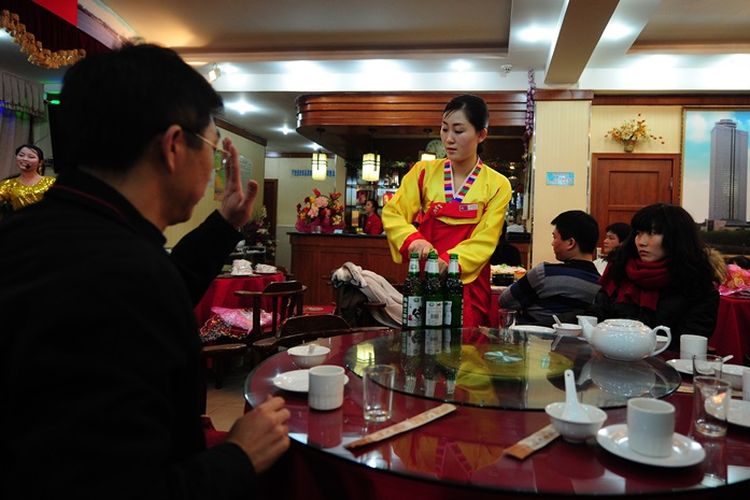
{"type": "Point", "coordinates": [661, 275]}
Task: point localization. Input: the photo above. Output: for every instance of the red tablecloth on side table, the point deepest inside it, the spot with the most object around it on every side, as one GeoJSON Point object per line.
{"type": "Point", "coordinates": [732, 334]}
{"type": "Point", "coordinates": [221, 292]}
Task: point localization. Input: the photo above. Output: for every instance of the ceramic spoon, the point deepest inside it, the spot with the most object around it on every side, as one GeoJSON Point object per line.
{"type": "Point", "coordinates": [573, 410]}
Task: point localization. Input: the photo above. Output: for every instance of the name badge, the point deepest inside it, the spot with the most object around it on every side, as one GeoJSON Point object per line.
{"type": "Point", "coordinates": [471, 207]}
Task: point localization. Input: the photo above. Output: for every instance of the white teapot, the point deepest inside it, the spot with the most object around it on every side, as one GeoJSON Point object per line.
{"type": "Point", "coordinates": [624, 339]}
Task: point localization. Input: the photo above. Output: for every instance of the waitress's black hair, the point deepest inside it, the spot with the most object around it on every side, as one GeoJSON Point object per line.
{"type": "Point", "coordinates": [474, 108]}
{"type": "Point", "coordinates": [374, 202]}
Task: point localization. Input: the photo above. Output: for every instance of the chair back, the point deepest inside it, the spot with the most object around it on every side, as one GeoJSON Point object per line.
{"type": "Point", "coordinates": [286, 299]}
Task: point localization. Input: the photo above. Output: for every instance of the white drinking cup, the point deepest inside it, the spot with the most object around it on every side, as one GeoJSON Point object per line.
{"type": "Point", "coordinates": [692, 345]}
{"type": "Point", "coordinates": [650, 426]}
{"type": "Point", "coordinates": [326, 387]}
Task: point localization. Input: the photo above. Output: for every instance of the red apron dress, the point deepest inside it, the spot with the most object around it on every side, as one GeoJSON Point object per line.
{"type": "Point", "coordinates": [443, 237]}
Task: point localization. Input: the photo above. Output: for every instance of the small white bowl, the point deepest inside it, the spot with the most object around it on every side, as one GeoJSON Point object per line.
{"type": "Point", "coordinates": [733, 375]}
{"type": "Point", "coordinates": [568, 329]}
{"type": "Point", "coordinates": [576, 432]}
{"type": "Point", "coordinates": [304, 357]}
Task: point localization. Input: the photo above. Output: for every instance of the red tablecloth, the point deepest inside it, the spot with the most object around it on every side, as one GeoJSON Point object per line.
{"type": "Point", "coordinates": [221, 292]}
{"type": "Point", "coordinates": [732, 334]}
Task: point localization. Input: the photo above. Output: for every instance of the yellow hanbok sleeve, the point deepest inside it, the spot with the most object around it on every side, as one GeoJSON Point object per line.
{"type": "Point", "coordinates": [400, 211]}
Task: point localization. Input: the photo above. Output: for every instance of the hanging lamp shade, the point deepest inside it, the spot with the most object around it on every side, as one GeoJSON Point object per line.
{"type": "Point", "coordinates": [371, 167]}
{"type": "Point", "coordinates": [319, 166]}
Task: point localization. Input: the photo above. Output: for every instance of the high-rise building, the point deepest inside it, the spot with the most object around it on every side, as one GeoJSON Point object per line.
{"type": "Point", "coordinates": [728, 177]}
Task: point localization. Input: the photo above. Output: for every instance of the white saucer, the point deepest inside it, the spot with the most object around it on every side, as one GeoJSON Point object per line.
{"type": "Point", "coordinates": [739, 413]}
{"type": "Point", "coordinates": [532, 329]}
{"type": "Point", "coordinates": [682, 365]}
{"type": "Point", "coordinates": [296, 380]}
{"type": "Point", "coordinates": [685, 451]}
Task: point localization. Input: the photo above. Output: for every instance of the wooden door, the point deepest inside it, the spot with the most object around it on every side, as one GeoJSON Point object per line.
{"type": "Point", "coordinates": [621, 184]}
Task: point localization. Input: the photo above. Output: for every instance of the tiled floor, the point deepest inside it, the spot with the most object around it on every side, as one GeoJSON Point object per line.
{"type": "Point", "coordinates": [227, 404]}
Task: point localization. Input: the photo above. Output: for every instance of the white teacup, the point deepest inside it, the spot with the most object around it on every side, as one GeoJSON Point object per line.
{"type": "Point", "coordinates": [692, 345]}
{"type": "Point", "coordinates": [650, 427]}
{"type": "Point", "coordinates": [326, 387]}
{"type": "Point", "coordinates": [592, 320]}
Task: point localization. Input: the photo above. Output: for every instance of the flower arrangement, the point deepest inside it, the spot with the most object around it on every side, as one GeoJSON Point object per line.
{"type": "Point", "coordinates": [257, 233]}
{"type": "Point", "coordinates": [326, 212]}
{"type": "Point", "coordinates": [632, 131]}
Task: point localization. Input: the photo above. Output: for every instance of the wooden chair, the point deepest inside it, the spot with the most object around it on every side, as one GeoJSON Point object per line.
{"type": "Point", "coordinates": [299, 329]}
{"type": "Point", "coordinates": [286, 299]}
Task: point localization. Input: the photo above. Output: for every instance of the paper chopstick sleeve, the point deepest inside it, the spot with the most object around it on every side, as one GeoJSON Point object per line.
{"type": "Point", "coordinates": [403, 426]}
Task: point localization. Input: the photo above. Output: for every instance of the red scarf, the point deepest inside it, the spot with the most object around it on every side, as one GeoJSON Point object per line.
{"type": "Point", "coordinates": [642, 283]}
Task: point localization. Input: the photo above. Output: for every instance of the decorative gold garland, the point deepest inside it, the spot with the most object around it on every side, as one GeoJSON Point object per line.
{"type": "Point", "coordinates": [38, 55]}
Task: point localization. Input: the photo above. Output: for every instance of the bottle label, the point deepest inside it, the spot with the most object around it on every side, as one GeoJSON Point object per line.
{"type": "Point", "coordinates": [433, 341]}
{"type": "Point", "coordinates": [447, 307]}
{"type": "Point", "coordinates": [413, 311]}
{"type": "Point", "coordinates": [434, 313]}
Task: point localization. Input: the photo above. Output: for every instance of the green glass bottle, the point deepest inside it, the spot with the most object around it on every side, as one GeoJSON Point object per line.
{"type": "Point", "coordinates": [453, 301]}
{"type": "Point", "coordinates": [433, 293]}
{"type": "Point", "coordinates": [412, 302]}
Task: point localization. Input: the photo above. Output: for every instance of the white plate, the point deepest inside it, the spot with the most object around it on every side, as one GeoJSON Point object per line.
{"type": "Point", "coordinates": [296, 380]}
{"type": "Point", "coordinates": [739, 413]}
{"type": "Point", "coordinates": [682, 365]}
{"type": "Point", "coordinates": [532, 329]}
{"type": "Point", "coordinates": [685, 451]}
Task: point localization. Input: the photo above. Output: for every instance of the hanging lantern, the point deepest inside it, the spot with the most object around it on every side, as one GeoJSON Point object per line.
{"type": "Point", "coordinates": [319, 166]}
{"type": "Point", "coordinates": [371, 167]}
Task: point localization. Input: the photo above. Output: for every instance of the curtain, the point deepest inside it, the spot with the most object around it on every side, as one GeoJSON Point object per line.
{"type": "Point", "coordinates": [15, 129]}
{"type": "Point", "coordinates": [19, 94]}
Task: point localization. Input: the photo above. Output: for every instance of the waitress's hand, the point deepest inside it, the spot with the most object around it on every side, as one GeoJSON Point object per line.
{"type": "Point", "coordinates": [422, 247]}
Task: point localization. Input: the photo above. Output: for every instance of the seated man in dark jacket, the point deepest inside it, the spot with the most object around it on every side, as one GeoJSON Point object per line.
{"type": "Point", "coordinates": [101, 361]}
{"type": "Point", "coordinates": [564, 289]}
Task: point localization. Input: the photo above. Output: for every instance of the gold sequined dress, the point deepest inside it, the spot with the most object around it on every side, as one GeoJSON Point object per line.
{"type": "Point", "coordinates": [21, 195]}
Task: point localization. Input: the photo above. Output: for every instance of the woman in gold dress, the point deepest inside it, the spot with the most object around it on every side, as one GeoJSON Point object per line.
{"type": "Point", "coordinates": [30, 186]}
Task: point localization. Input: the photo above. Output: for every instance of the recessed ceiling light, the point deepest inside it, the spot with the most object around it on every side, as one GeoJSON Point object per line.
{"type": "Point", "coordinates": [534, 34]}
{"type": "Point", "coordinates": [241, 107]}
{"type": "Point", "coordinates": [460, 65]}
{"type": "Point", "coordinates": [285, 130]}
{"type": "Point", "coordinates": [616, 31]}
{"type": "Point", "coordinates": [229, 69]}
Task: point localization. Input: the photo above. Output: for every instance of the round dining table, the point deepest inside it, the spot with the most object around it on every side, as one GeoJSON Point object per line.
{"type": "Point", "coordinates": [500, 381]}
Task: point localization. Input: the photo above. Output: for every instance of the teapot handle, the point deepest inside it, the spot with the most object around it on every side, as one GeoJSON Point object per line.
{"type": "Point", "coordinates": [669, 339]}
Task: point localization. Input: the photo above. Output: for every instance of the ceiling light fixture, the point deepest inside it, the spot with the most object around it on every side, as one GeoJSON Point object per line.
{"type": "Point", "coordinates": [371, 167]}
{"type": "Point", "coordinates": [428, 157]}
{"type": "Point", "coordinates": [214, 73]}
{"type": "Point", "coordinates": [319, 166]}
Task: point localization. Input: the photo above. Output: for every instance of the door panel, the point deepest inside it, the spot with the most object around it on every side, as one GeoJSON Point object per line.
{"type": "Point", "coordinates": [621, 184]}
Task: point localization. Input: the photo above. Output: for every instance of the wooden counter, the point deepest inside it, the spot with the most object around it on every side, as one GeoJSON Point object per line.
{"type": "Point", "coordinates": [316, 256]}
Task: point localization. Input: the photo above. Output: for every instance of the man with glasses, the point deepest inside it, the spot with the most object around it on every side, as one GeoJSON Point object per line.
{"type": "Point", "coordinates": [101, 368]}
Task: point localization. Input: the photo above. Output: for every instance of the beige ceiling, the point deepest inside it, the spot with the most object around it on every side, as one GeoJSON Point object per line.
{"type": "Point", "coordinates": [282, 48]}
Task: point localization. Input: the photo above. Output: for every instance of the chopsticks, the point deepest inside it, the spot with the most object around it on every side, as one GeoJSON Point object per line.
{"type": "Point", "coordinates": [403, 426]}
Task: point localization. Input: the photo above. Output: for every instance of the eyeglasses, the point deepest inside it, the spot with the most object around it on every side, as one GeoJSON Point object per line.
{"type": "Point", "coordinates": [220, 155]}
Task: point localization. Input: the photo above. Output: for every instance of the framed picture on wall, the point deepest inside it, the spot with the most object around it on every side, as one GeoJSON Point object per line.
{"type": "Point", "coordinates": [715, 161]}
